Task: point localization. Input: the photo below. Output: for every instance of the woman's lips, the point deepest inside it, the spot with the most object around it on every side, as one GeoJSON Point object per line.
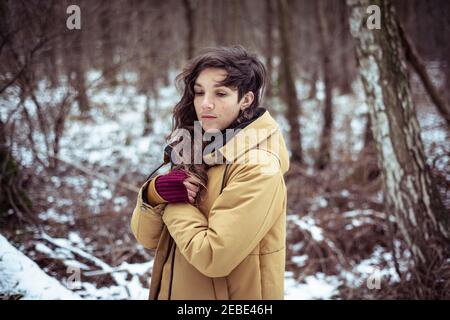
{"type": "Point", "coordinates": [208, 117]}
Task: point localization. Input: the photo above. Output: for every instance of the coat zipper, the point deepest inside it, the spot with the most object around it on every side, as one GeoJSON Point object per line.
{"type": "Point", "coordinates": [171, 269]}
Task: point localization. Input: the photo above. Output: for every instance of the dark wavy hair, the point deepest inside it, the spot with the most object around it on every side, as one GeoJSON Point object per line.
{"type": "Point", "coordinates": [245, 72]}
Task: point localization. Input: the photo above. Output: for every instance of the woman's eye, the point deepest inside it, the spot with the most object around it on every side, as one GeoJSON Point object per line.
{"type": "Point", "coordinates": [221, 94]}
{"type": "Point", "coordinates": [198, 93]}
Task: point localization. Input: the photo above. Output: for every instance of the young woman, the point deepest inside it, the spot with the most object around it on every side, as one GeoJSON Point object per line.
{"type": "Point", "coordinates": [218, 225]}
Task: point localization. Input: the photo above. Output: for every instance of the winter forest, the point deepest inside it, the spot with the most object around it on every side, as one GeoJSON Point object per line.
{"type": "Point", "coordinates": [359, 88]}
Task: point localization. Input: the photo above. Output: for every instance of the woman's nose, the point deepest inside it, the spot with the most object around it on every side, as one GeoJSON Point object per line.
{"type": "Point", "coordinates": [206, 103]}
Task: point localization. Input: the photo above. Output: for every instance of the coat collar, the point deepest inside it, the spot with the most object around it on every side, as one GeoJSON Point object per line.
{"type": "Point", "coordinates": [243, 138]}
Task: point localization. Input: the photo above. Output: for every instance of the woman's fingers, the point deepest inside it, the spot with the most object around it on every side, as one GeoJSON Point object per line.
{"type": "Point", "coordinates": [191, 186]}
{"type": "Point", "coordinates": [191, 193]}
{"type": "Point", "coordinates": [193, 179]}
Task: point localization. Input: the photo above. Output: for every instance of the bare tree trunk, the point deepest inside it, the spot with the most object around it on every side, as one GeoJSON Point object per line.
{"type": "Point", "coordinates": [447, 80]}
{"type": "Point", "coordinates": [12, 195]}
{"type": "Point", "coordinates": [368, 135]}
{"type": "Point", "coordinates": [62, 111]}
{"type": "Point", "coordinates": [234, 19]}
{"type": "Point", "coordinates": [148, 121]}
{"type": "Point", "coordinates": [269, 47]}
{"type": "Point", "coordinates": [190, 21]}
{"type": "Point", "coordinates": [52, 51]}
{"type": "Point", "coordinates": [345, 82]}
{"type": "Point", "coordinates": [221, 26]}
{"type": "Point", "coordinates": [323, 158]}
{"type": "Point", "coordinates": [410, 190]}
{"type": "Point", "coordinates": [107, 42]}
{"type": "Point", "coordinates": [313, 84]}
{"type": "Point", "coordinates": [293, 105]}
{"type": "Point", "coordinates": [78, 71]}
{"type": "Point", "coordinates": [51, 66]}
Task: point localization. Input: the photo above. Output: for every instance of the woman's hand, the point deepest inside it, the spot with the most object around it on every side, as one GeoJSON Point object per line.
{"type": "Point", "coordinates": [178, 186]}
{"type": "Point", "coordinates": [192, 184]}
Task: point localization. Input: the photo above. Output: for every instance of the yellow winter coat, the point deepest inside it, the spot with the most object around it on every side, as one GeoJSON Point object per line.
{"type": "Point", "coordinates": [233, 245]}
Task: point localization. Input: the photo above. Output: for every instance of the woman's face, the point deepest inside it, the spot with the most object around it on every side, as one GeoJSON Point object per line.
{"type": "Point", "coordinates": [217, 106]}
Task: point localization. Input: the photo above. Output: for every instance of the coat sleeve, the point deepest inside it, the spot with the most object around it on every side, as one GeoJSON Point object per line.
{"type": "Point", "coordinates": [239, 218]}
{"type": "Point", "coordinates": [146, 221]}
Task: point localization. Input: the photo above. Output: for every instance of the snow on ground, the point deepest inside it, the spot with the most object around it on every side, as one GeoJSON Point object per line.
{"type": "Point", "coordinates": [308, 224]}
{"type": "Point", "coordinates": [435, 138]}
{"type": "Point", "coordinates": [363, 216]}
{"type": "Point", "coordinates": [126, 276]}
{"type": "Point", "coordinates": [366, 273]}
{"type": "Point", "coordinates": [52, 215]}
{"type": "Point", "coordinates": [318, 286]}
{"type": "Point", "coordinates": [373, 272]}
{"type": "Point", "coordinates": [20, 275]}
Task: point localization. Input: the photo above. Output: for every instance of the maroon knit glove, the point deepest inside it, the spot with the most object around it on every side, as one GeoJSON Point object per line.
{"type": "Point", "coordinates": [170, 186]}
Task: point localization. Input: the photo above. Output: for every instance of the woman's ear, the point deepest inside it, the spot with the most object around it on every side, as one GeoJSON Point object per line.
{"type": "Point", "coordinates": [247, 100]}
